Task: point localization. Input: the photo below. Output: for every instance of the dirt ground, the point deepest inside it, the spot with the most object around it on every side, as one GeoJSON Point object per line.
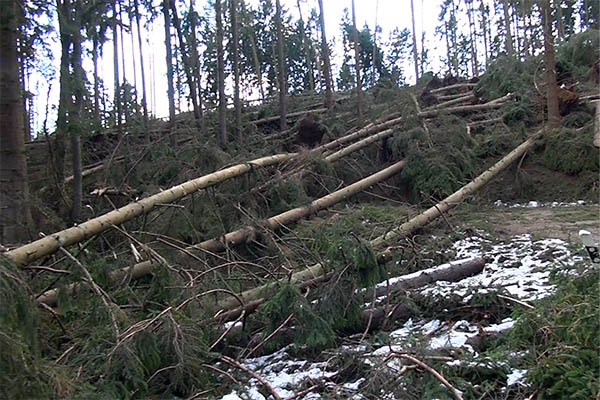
{"type": "Point", "coordinates": [561, 222]}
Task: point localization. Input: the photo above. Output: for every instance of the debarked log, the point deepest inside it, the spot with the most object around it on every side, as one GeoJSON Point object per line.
{"type": "Point", "coordinates": [50, 244]}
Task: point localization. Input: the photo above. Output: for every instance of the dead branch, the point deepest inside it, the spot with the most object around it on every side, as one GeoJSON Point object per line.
{"type": "Point", "coordinates": [247, 370]}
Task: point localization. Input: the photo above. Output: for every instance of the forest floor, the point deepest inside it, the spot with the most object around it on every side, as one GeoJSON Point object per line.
{"type": "Point", "coordinates": [531, 249]}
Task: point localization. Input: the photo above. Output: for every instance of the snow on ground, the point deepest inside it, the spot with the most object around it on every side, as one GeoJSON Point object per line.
{"type": "Point", "coordinates": [537, 204]}
{"type": "Point", "coordinates": [519, 268]}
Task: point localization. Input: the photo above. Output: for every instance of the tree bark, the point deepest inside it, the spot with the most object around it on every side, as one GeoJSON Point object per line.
{"type": "Point", "coordinates": [551, 85]}
{"type": "Point", "coordinates": [142, 68]}
{"type": "Point", "coordinates": [317, 270]}
{"type": "Point", "coordinates": [249, 233]}
{"type": "Point", "coordinates": [474, 63]}
{"type": "Point", "coordinates": [236, 71]}
{"type": "Point", "coordinates": [75, 125]}
{"type": "Point", "coordinates": [255, 60]}
{"type": "Point", "coordinates": [196, 65]}
{"type": "Point", "coordinates": [509, 39]}
{"type": "Point", "coordinates": [414, 34]}
{"type": "Point", "coordinates": [221, 77]}
{"type": "Point", "coordinates": [484, 29]}
{"type": "Point", "coordinates": [306, 46]}
{"type": "Point", "coordinates": [326, 62]}
{"type": "Point", "coordinates": [170, 84]}
{"type": "Point", "coordinates": [187, 66]}
{"type": "Point", "coordinates": [51, 243]}
{"type": "Point", "coordinates": [13, 168]}
{"type": "Point", "coordinates": [281, 68]}
{"type": "Point", "coordinates": [117, 94]}
{"type": "Point", "coordinates": [357, 65]}
{"type": "Point", "coordinates": [96, 81]}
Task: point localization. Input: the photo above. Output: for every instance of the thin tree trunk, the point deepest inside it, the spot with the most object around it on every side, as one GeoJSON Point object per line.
{"type": "Point", "coordinates": [326, 62]}
{"type": "Point", "coordinates": [474, 63]}
{"type": "Point", "coordinates": [196, 65]}
{"type": "Point", "coordinates": [374, 44]}
{"type": "Point", "coordinates": [51, 243]}
{"type": "Point", "coordinates": [75, 125]}
{"type": "Point", "coordinates": [236, 71]}
{"type": "Point", "coordinates": [126, 99]}
{"type": "Point", "coordinates": [170, 87]}
{"type": "Point", "coordinates": [448, 53]}
{"type": "Point", "coordinates": [509, 39]}
{"type": "Point", "coordinates": [251, 37]}
{"type": "Point", "coordinates": [96, 81]}
{"type": "Point", "coordinates": [484, 24]}
{"type": "Point", "coordinates": [357, 65]}
{"type": "Point", "coordinates": [305, 45]}
{"type": "Point", "coordinates": [221, 77]}
{"type": "Point", "coordinates": [187, 65]}
{"type": "Point", "coordinates": [551, 85]}
{"type": "Point", "coordinates": [414, 34]}
{"type": "Point", "coordinates": [13, 167]}
{"type": "Point", "coordinates": [142, 68]}
{"type": "Point", "coordinates": [281, 68]}
{"type": "Point", "coordinates": [117, 95]}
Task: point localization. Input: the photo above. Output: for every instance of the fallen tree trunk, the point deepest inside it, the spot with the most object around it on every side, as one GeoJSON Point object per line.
{"type": "Point", "coordinates": [242, 235]}
{"type": "Point", "coordinates": [403, 230]}
{"type": "Point", "coordinates": [49, 244]}
{"type": "Point", "coordinates": [373, 318]}
{"type": "Point", "coordinates": [276, 222]}
{"type": "Point", "coordinates": [451, 87]}
{"type": "Point", "coordinates": [452, 271]}
{"type": "Point", "coordinates": [460, 109]}
{"type": "Point", "coordinates": [94, 168]}
{"type": "Point", "coordinates": [290, 115]}
{"type": "Point", "coordinates": [452, 102]}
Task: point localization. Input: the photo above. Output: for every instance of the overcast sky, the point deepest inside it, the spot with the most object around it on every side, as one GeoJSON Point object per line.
{"type": "Point", "coordinates": [390, 14]}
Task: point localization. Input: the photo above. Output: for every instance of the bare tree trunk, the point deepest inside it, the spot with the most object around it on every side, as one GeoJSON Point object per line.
{"type": "Point", "coordinates": [326, 62]}
{"type": "Point", "coordinates": [357, 65]}
{"type": "Point", "coordinates": [187, 65]}
{"type": "Point", "coordinates": [448, 52]}
{"type": "Point", "coordinates": [196, 65]}
{"type": "Point", "coordinates": [305, 44]}
{"type": "Point", "coordinates": [374, 44]}
{"type": "Point", "coordinates": [126, 98]}
{"type": "Point", "coordinates": [170, 88]}
{"type": "Point", "coordinates": [281, 68]}
{"type": "Point", "coordinates": [509, 39]}
{"type": "Point", "coordinates": [51, 243]}
{"type": "Point", "coordinates": [75, 125]}
{"type": "Point", "coordinates": [117, 96]}
{"type": "Point", "coordinates": [255, 60]}
{"type": "Point", "coordinates": [13, 167]}
{"type": "Point", "coordinates": [236, 71]}
{"type": "Point", "coordinates": [551, 85]}
{"type": "Point", "coordinates": [474, 63]}
{"type": "Point", "coordinates": [414, 34]}
{"type": "Point", "coordinates": [484, 29]}
{"type": "Point", "coordinates": [96, 81]}
{"type": "Point", "coordinates": [221, 77]}
{"type": "Point", "coordinates": [142, 68]}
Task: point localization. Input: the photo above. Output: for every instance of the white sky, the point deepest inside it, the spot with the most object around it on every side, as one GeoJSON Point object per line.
{"type": "Point", "coordinates": [391, 14]}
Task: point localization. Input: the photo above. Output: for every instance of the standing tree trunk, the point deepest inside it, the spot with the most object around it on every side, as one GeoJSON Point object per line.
{"type": "Point", "coordinates": [170, 88]}
{"type": "Point", "coordinates": [75, 125]}
{"type": "Point", "coordinates": [484, 29]}
{"type": "Point", "coordinates": [196, 64]}
{"type": "Point", "coordinates": [448, 52]}
{"type": "Point", "coordinates": [221, 76]}
{"type": "Point", "coordinates": [374, 44]}
{"type": "Point", "coordinates": [236, 71]}
{"type": "Point", "coordinates": [13, 168]}
{"type": "Point", "coordinates": [187, 65]}
{"type": "Point", "coordinates": [281, 68]}
{"type": "Point", "coordinates": [326, 62]}
{"type": "Point", "coordinates": [551, 85]}
{"type": "Point", "coordinates": [357, 64]}
{"type": "Point", "coordinates": [509, 39]}
{"type": "Point", "coordinates": [96, 81]}
{"type": "Point", "coordinates": [306, 45]}
{"type": "Point", "coordinates": [414, 34]}
{"type": "Point", "coordinates": [142, 69]}
{"type": "Point", "coordinates": [474, 63]}
{"type": "Point", "coordinates": [116, 67]}
{"type": "Point", "coordinates": [251, 37]}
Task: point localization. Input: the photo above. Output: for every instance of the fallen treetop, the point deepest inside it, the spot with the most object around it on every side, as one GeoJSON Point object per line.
{"type": "Point", "coordinates": [50, 244]}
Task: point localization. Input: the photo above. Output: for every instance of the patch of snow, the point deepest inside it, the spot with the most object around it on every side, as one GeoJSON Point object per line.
{"type": "Point", "coordinates": [516, 377]}
{"type": "Point", "coordinates": [353, 385]}
{"type": "Point", "coordinates": [536, 204]}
